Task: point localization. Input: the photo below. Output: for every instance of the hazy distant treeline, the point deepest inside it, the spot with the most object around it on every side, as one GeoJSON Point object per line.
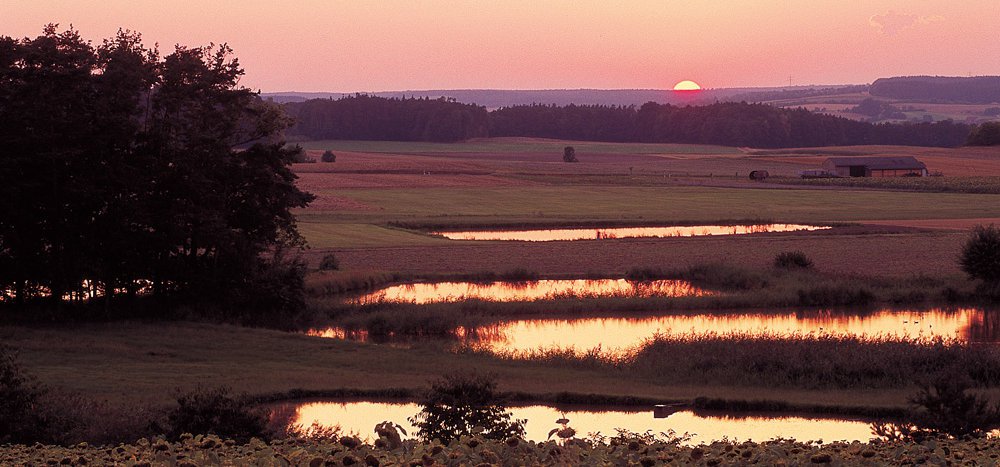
{"type": "Point", "coordinates": [971, 90]}
{"type": "Point", "coordinates": [372, 118]}
{"type": "Point", "coordinates": [730, 124]}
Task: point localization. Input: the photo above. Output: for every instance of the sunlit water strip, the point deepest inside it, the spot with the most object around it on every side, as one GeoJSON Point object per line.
{"type": "Point", "coordinates": [619, 336]}
{"type": "Point", "coordinates": [431, 292]}
{"type": "Point", "coordinates": [547, 235]}
{"type": "Point", "coordinates": [361, 417]}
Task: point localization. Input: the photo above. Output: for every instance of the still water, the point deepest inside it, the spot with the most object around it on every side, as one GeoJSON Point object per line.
{"type": "Point", "coordinates": [620, 336]}
{"type": "Point", "coordinates": [361, 417]}
{"type": "Point", "coordinates": [546, 235]}
{"type": "Point", "coordinates": [431, 292]}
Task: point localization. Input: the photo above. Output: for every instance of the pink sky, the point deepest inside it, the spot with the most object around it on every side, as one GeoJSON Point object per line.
{"type": "Point", "coordinates": [542, 44]}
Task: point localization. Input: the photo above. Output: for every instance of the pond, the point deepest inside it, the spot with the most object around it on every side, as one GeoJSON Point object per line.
{"type": "Point", "coordinates": [619, 336]}
{"type": "Point", "coordinates": [430, 292]}
{"type": "Point", "coordinates": [547, 235]}
{"type": "Point", "coordinates": [360, 417]}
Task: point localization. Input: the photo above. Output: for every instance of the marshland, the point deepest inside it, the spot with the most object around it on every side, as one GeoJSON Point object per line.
{"type": "Point", "coordinates": [193, 271]}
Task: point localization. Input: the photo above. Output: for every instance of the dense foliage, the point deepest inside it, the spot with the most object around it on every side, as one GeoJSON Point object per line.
{"type": "Point", "coordinates": [731, 124]}
{"type": "Point", "coordinates": [129, 174]}
{"type": "Point", "coordinates": [461, 405]}
{"type": "Point", "coordinates": [966, 90]}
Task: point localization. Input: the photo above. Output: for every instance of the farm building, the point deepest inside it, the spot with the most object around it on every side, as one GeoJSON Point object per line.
{"type": "Point", "coordinates": [904, 166]}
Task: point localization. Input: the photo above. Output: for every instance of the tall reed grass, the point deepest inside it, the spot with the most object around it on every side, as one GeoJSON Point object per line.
{"type": "Point", "coordinates": [807, 361]}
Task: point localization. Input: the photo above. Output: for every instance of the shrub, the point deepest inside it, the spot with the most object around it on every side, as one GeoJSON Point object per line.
{"type": "Point", "coordinates": [329, 263]}
{"type": "Point", "coordinates": [328, 156]}
{"type": "Point", "coordinates": [980, 257]}
{"type": "Point", "coordinates": [792, 260]}
{"type": "Point", "coordinates": [215, 411]}
{"type": "Point", "coordinates": [944, 406]}
{"type": "Point", "coordinates": [464, 404]}
{"type": "Point", "coordinates": [569, 154]}
{"type": "Point", "coordinates": [19, 395]}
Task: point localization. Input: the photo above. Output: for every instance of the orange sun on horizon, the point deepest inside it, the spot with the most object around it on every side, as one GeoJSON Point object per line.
{"type": "Point", "coordinates": [687, 85]}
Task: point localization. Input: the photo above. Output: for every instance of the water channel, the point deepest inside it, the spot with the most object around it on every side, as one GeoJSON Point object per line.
{"type": "Point", "coordinates": [547, 235]}
{"type": "Point", "coordinates": [430, 292]}
{"type": "Point", "coordinates": [360, 417]}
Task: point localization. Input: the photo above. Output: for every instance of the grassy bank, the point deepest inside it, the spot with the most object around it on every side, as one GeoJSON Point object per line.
{"type": "Point", "coordinates": [143, 363]}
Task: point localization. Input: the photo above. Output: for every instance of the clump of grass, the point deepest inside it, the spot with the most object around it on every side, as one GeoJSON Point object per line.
{"type": "Point", "coordinates": [721, 275]}
{"type": "Point", "coordinates": [518, 275]}
{"type": "Point", "coordinates": [792, 260]}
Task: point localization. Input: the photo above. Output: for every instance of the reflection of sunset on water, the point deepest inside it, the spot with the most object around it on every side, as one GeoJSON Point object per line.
{"type": "Point", "coordinates": [616, 336]}
{"type": "Point", "coordinates": [620, 336]}
{"type": "Point", "coordinates": [546, 235]}
{"type": "Point", "coordinates": [361, 418]}
{"type": "Point", "coordinates": [530, 290]}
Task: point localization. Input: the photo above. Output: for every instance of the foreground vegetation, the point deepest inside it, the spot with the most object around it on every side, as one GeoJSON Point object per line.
{"type": "Point", "coordinates": [627, 449]}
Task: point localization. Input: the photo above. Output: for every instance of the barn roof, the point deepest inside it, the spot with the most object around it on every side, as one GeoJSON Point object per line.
{"type": "Point", "coordinates": [879, 163]}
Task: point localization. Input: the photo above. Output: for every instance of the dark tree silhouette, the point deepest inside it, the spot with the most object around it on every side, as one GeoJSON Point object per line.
{"type": "Point", "coordinates": [139, 173]}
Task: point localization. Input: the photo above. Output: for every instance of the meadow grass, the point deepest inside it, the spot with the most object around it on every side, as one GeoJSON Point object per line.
{"type": "Point", "coordinates": [990, 185]}
{"type": "Point", "coordinates": [513, 145]}
{"type": "Point", "coordinates": [590, 205]}
{"type": "Point", "coordinates": [674, 203]}
{"type": "Point", "coordinates": [143, 363]}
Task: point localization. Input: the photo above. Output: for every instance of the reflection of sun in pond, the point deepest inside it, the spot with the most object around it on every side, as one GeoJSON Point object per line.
{"type": "Point", "coordinates": [687, 85]}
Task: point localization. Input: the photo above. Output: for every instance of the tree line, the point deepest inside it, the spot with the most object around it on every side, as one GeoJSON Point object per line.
{"type": "Point", "coordinates": [364, 117]}
{"type": "Point", "coordinates": [129, 176]}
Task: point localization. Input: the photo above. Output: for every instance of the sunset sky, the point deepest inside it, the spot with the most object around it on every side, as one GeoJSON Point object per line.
{"type": "Point", "coordinates": [513, 44]}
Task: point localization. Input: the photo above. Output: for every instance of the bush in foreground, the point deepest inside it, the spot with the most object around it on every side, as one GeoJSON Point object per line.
{"type": "Point", "coordinates": [460, 405]}
{"type": "Point", "coordinates": [216, 411]}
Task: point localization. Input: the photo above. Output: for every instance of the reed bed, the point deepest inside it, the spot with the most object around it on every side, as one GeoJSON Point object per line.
{"type": "Point", "coordinates": [807, 361]}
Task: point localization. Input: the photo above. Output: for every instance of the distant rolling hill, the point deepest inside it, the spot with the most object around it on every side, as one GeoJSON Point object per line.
{"type": "Point", "coordinates": [939, 89]}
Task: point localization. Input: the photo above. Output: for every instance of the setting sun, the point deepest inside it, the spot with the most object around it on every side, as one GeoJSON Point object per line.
{"type": "Point", "coordinates": [687, 85]}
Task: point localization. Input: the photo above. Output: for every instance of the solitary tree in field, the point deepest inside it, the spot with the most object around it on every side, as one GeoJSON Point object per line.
{"type": "Point", "coordinates": [328, 156]}
{"type": "Point", "coordinates": [569, 154]}
{"type": "Point", "coordinates": [981, 255]}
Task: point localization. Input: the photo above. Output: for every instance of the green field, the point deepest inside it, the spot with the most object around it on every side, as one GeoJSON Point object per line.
{"type": "Point", "coordinates": [561, 204]}
{"type": "Point", "coordinates": [514, 145]}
